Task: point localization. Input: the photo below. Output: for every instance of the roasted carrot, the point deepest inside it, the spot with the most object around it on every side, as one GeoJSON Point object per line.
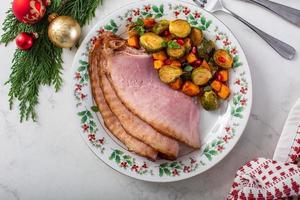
{"type": "Point", "coordinates": [161, 55]}
{"type": "Point", "coordinates": [176, 63]}
{"type": "Point", "coordinates": [216, 85]}
{"type": "Point", "coordinates": [224, 75]}
{"type": "Point", "coordinates": [149, 22]}
{"type": "Point", "coordinates": [224, 92]}
{"type": "Point", "coordinates": [176, 85]}
{"type": "Point", "coordinates": [158, 64]}
{"type": "Point", "coordinates": [133, 41]}
{"type": "Point", "coordinates": [191, 58]}
{"type": "Point", "coordinates": [190, 89]}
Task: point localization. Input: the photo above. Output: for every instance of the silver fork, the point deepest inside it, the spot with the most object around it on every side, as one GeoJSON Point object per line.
{"type": "Point", "coordinates": [280, 47]}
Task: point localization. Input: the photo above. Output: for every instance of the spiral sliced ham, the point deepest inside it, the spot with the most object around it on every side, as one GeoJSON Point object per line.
{"type": "Point", "coordinates": [110, 120]}
{"type": "Point", "coordinates": [137, 84]}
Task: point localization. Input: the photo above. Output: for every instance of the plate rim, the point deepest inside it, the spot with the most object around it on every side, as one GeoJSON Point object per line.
{"type": "Point", "coordinates": [242, 127]}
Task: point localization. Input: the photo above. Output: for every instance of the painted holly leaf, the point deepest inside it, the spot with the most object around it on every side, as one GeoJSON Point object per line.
{"type": "Point", "coordinates": [93, 124]}
{"type": "Point", "coordinates": [112, 156]}
{"type": "Point", "coordinates": [167, 171]}
{"type": "Point", "coordinates": [149, 15]}
{"type": "Point", "coordinates": [161, 172]}
{"type": "Point", "coordinates": [118, 159]}
{"type": "Point", "coordinates": [208, 24]}
{"type": "Point", "coordinates": [113, 24]}
{"type": "Point", "coordinates": [108, 27]}
{"type": "Point", "coordinates": [203, 20]}
{"type": "Point", "coordinates": [213, 152]}
{"type": "Point", "coordinates": [208, 156]}
{"type": "Point", "coordinates": [82, 68]}
{"type": "Point", "coordinates": [144, 13]}
{"type": "Point", "coordinates": [240, 109]}
{"type": "Point", "coordinates": [159, 15]}
{"type": "Point", "coordinates": [194, 23]}
{"type": "Point", "coordinates": [95, 109]}
{"type": "Point", "coordinates": [191, 17]}
{"type": "Point", "coordinates": [155, 9]}
{"type": "Point", "coordinates": [238, 115]}
{"type": "Point", "coordinates": [84, 119]}
{"type": "Point", "coordinates": [83, 62]}
{"type": "Point", "coordinates": [161, 8]}
{"type": "Point", "coordinates": [82, 113]}
{"type": "Point", "coordinates": [119, 152]}
{"type": "Point", "coordinates": [203, 28]}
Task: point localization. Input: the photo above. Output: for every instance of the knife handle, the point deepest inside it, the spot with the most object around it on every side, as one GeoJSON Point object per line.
{"type": "Point", "coordinates": [284, 49]}
{"type": "Point", "coordinates": [288, 13]}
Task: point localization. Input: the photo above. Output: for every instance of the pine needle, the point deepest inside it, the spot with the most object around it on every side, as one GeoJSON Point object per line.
{"type": "Point", "coordinates": [42, 64]}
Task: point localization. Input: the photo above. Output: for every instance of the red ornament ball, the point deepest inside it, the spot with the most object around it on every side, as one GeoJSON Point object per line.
{"type": "Point", "coordinates": [24, 41]}
{"type": "Point", "coordinates": [29, 11]}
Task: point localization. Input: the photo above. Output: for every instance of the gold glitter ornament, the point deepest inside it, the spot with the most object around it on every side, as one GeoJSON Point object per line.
{"type": "Point", "coordinates": [63, 31]}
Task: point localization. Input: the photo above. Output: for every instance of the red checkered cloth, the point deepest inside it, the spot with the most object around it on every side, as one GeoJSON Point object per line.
{"type": "Point", "coordinates": [267, 179]}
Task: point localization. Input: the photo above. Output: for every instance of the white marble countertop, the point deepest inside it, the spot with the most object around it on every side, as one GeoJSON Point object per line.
{"type": "Point", "coordinates": [49, 159]}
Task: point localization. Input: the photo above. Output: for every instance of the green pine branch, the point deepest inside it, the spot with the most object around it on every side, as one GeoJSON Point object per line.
{"type": "Point", "coordinates": [42, 64]}
{"type": "Point", "coordinates": [82, 11]}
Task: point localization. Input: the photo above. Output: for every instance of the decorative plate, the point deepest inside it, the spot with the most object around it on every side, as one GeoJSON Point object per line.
{"type": "Point", "coordinates": [220, 130]}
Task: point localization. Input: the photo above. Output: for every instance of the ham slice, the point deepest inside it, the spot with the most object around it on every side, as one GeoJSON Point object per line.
{"type": "Point", "coordinates": [110, 120]}
{"type": "Point", "coordinates": [137, 84]}
{"type": "Point", "coordinates": [130, 122]}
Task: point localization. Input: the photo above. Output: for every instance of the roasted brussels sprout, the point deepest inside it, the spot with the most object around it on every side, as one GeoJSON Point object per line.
{"type": "Point", "coordinates": [186, 76]}
{"type": "Point", "coordinates": [223, 58]}
{"type": "Point", "coordinates": [206, 49]}
{"type": "Point", "coordinates": [213, 68]}
{"type": "Point", "coordinates": [169, 74]}
{"type": "Point", "coordinates": [196, 36]}
{"type": "Point", "coordinates": [201, 75]}
{"type": "Point", "coordinates": [152, 42]}
{"type": "Point", "coordinates": [187, 45]}
{"type": "Point", "coordinates": [176, 52]}
{"type": "Point", "coordinates": [180, 28]}
{"type": "Point", "coordinates": [160, 27]}
{"type": "Point", "coordinates": [209, 101]}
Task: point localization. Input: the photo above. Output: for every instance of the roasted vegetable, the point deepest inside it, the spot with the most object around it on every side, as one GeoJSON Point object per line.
{"type": "Point", "coordinates": [175, 63]}
{"type": "Point", "coordinates": [209, 101]}
{"type": "Point", "coordinates": [186, 76]}
{"type": "Point", "coordinates": [187, 45]}
{"type": "Point", "coordinates": [133, 41]}
{"type": "Point", "coordinates": [223, 58]}
{"type": "Point", "coordinates": [223, 75]}
{"type": "Point", "coordinates": [180, 28]}
{"type": "Point", "coordinates": [158, 64]}
{"type": "Point", "coordinates": [205, 65]}
{"type": "Point", "coordinates": [196, 36]}
{"type": "Point", "coordinates": [216, 85]}
{"type": "Point", "coordinates": [190, 89]}
{"type": "Point", "coordinates": [161, 55]}
{"type": "Point", "coordinates": [160, 27]}
{"type": "Point", "coordinates": [206, 49]}
{"type": "Point", "coordinates": [201, 76]}
{"type": "Point", "coordinates": [191, 58]}
{"type": "Point", "coordinates": [152, 42]}
{"type": "Point", "coordinates": [224, 92]}
{"type": "Point", "coordinates": [176, 52]}
{"type": "Point", "coordinates": [149, 22]}
{"type": "Point", "coordinates": [188, 68]}
{"type": "Point", "coordinates": [176, 85]}
{"type": "Point", "coordinates": [169, 74]}
{"type": "Point", "coordinates": [213, 68]}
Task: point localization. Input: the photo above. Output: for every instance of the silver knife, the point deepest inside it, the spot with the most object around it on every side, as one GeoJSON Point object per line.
{"type": "Point", "coordinates": [290, 14]}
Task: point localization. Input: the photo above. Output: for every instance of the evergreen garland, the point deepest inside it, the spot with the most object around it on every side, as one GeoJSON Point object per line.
{"type": "Point", "coordinates": [42, 64]}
